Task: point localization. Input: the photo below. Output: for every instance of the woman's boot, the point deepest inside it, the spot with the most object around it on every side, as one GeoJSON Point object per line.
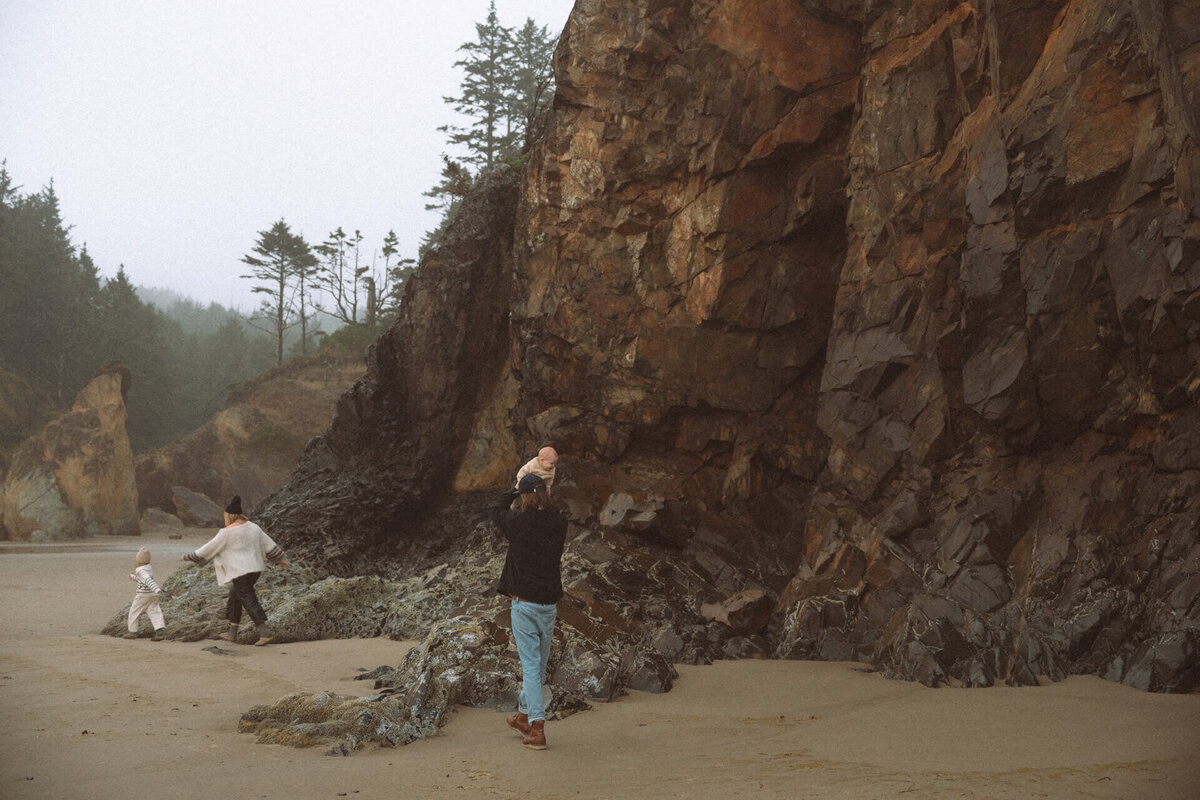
{"type": "Point", "coordinates": [231, 634]}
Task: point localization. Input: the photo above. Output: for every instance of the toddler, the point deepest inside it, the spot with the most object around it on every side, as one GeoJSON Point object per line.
{"type": "Point", "coordinates": [145, 598]}
{"type": "Point", "coordinates": [541, 465]}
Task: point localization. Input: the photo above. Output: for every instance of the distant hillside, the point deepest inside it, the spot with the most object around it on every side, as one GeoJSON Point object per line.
{"type": "Point", "coordinates": [252, 444]}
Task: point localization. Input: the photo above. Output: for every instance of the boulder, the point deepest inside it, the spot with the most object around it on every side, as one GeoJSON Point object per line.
{"type": "Point", "coordinates": [196, 510]}
{"type": "Point", "coordinates": [634, 511]}
{"type": "Point", "coordinates": [156, 518]}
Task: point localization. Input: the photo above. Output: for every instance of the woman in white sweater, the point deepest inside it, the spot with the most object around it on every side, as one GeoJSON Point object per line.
{"type": "Point", "coordinates": [240, 552]}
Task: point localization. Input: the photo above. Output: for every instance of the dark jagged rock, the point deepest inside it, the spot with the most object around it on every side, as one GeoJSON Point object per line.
{"type": "Point", "coordinates": [406, 424]}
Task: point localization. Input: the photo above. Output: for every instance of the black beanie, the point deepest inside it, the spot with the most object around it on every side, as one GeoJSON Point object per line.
{"type": "Point", "coordinates": [531, 483]}
{"type": "Point", "coordinates": [235, 506]}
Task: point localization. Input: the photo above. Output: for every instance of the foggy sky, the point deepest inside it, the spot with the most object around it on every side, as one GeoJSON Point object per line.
{"type": "Point", "coordinates": [175, 130]}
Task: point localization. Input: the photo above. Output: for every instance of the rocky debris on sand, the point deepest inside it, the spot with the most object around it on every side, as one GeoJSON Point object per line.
{"type": "Point", "coordinates": [631, 609]}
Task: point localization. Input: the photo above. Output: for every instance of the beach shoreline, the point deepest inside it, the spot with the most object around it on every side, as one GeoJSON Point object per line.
{"type": "Point", "coordinates": [92, 716]}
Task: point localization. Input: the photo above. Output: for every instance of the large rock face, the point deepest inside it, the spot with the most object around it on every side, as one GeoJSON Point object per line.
{"type": "Point", "coordinates": [251, 446]}
{"type": "Point", "coordinates": [76, 478]}
{"type": "Point", "coordinates": [888, 313]}
{"type": "Point", "coordinates": [936, 263]}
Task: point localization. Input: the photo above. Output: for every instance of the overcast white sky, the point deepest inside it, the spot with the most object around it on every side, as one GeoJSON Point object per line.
{"type": "Point", "coordinates": [175, 130]}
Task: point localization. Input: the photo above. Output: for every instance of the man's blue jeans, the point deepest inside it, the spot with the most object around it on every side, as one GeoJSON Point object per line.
{"type": "Point", "coordinates": [533, 630]}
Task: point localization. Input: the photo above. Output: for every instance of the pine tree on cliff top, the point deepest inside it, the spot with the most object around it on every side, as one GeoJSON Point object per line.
{"type": "Point", "coordinates": [487, 67]}
{"type": "Point", "coordinates": [507, 84]}
{"type": "Point", "coordinates": [532, 81]}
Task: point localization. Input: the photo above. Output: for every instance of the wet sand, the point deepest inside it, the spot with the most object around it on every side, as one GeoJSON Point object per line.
{"type": "Point", "coordinates": [90, 716]}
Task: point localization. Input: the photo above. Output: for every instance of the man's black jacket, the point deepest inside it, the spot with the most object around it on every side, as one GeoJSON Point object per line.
{"type": "Point", "coordinates": [535, 544]}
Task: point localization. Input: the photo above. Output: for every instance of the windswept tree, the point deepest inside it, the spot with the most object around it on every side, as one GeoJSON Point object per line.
{"type": "Point", "coordinates": [455, 183]}
{"type": "Point", "coordinates": [447, 195]}
{"type": "Point", "coordinates": [385, 286]}
{"type": "Point", "coordinates": [331, 277]}
{"type": "Point", "coordinates": [391, 246]}
{"type": "Point", "coordinates": [275, 261]}
{"type": "Point", "coordinates": [342, 275]}
{"type": "Point", "coordinates": [307, 272]}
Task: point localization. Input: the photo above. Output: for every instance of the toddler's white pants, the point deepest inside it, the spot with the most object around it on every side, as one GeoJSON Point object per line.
{"type": "Point", "coordinates": [145, 603]}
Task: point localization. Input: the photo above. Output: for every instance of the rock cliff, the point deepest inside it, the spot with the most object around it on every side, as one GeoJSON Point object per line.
{"type": "Point", "coordinates": [879, 321]}
{"type": "Point", "coordinates": [76, 478]}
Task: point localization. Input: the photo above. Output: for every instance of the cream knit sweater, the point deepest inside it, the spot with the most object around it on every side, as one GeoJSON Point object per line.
{"type": "Point", "coordinates": [237, 550]}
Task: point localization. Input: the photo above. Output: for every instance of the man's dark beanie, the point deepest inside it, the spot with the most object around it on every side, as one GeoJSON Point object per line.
{"type": "Point", "coordinates": [235, 506]}
{"type": "Point", "coordinates": [530, 484]}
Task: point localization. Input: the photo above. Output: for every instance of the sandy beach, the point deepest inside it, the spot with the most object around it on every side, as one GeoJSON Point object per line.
{"type": "Point", "coordinates": [91, 716]}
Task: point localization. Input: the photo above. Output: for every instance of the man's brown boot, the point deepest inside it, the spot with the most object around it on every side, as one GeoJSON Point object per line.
{"type": "Point", "coordinates": [230, 635]}
{"type": "Point", "coordinates": [519, 723]}
{"type": "Point", "coordinates": [536, 738]}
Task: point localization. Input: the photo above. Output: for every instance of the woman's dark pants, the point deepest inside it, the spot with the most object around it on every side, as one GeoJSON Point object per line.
{"type": "Point", "coordinates": [242, 595]}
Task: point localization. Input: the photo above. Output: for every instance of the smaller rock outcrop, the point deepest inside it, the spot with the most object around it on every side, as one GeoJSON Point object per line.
{"type": "Point", "coordinates": [76, 478]}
